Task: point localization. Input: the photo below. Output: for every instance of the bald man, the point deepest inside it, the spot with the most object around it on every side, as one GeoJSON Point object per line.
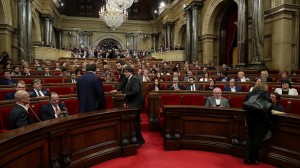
{"type": "Point", "coordinates": [19, 116]}
{"type": "Point", "coordinates": [217, 100]}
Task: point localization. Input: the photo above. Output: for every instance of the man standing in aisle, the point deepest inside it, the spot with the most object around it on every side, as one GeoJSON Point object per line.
{"type": "Point", "coordinates": [90, 91]}
{"type": "Point", "coordinates": [133, 99]}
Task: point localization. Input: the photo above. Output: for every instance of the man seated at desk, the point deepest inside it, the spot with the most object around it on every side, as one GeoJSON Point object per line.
{"type": "Point", "coordinates": [217, 100]}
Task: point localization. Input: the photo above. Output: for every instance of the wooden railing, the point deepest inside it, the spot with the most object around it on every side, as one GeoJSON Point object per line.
{"type": "Point", "coordinates": [79, 140]}
{"type": "Point", "coordinates": [223, 130]}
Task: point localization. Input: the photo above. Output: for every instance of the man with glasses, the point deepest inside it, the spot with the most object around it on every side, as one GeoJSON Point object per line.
{"type": "Point", "coordinates": [217, 100]}
{"type": "Point", "coordinates": [20, 86]}
{"type": "Point", "coordinates": [37, 90]}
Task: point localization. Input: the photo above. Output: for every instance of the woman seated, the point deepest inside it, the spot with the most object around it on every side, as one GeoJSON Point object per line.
{"type": "Point", "coordinates": [155, 86]}
{"type": "Point", "coordinates": [256, 82]}
{"type": "Point", "coordinates": [212, 85]}
{"type": "Point", "coordinates": [286, 88]}
{"type": "Point", "coordinates": [205, 78]}
{"type": "Point", "coordinates": [108, 78]}
{"type": "Point", "coordinates": [158, 76]}
{"type": "Point", "coordinates": [284, 76]}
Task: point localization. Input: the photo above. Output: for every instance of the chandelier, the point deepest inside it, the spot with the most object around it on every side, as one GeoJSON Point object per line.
{"type": "Point", "coordinates": [122, 4]}
{"type": "Point", "coordinates": [114, 12]}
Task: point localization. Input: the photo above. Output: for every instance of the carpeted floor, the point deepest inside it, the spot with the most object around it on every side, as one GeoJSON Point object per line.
{"type": "Point", "coordinates": [152, 155]}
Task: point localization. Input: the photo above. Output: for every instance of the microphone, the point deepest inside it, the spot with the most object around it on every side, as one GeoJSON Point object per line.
{"type": "Point", "coordinates": [34, 114]}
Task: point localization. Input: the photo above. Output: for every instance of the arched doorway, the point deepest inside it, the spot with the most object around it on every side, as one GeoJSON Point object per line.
{"type": "Point", "coordinates": [182, 37]}
{"type": "Point", "coordinates": [109, 44]}
{"type": "Point", "coordinates": [228, 35]}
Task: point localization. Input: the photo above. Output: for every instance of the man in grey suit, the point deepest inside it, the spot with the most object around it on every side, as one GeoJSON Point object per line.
{"type": "Point", "coordinates": [217, 100]}
{"type": "Point", "coordinates": [133, 99]}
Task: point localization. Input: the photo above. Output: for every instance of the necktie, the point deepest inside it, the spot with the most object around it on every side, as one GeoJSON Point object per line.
{"type": "Point", "coordinates": [38, 93]}
{"type": "Point", "coordinates": [194, 89]}
{"type": "Point", "coordinates": [56, 110]}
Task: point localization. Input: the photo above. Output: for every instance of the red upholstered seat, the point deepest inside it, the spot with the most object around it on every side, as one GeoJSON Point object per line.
{"type": "Point", "coordinates": [4, 116]}
{"type": "Point", "coordinates": [108, 88]}
{"type": "Point", "coordinates": [167, 100]}
{"type": "Point", "coordinates": [72, 105]}
{"type": "Point", "coordinates": [37, 109]}
{"type": "Point", "coordinates": [193, 99]}
{"type": "Point", "coordinates": [27, 80]}
{"type": "Point", "coordinates": [236, 101]}
{"type": "Point", "coordinates": [295, 107]}
{"type": "Point", "coordinates": [3, 92]}
{"type": "Point", "coordinates": [109, 102]}
{"type": "Point", "coordinates": [62, 90]}
{"type": "Point", "coordinates": [53, 80]}
{"type": "Point", "coordinates": [285, 104]}
{"type": "Point", "coordinates": [245, 88]}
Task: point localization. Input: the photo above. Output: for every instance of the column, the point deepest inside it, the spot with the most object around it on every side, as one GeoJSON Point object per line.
{"type": "Point", "coordinates": [59, 38]}
{"type": "Point", "coordinates": [258, 31]}
{"type": "Point", "coordinates": [89, 39]}
{"type": "Point", "coordinates": [22, 30]}
{"type": "Point", "coordinates": [154, 41]}
{"type": "Point", "coordinates": [50, 32]}
{"type": "Point", "coordinates": [29, 30]}
{"type": "Point", "coordinates": [46, 31]}
{"type": "Point", "coordinates": [135, 41]}
{"type": "Point", "coordinates": [242, 33]}
{"type": "Point", "coordinates": [188, 47]}
{"type": "Point", "coordinates": [128, 41]}
{"type": "Point", "coordinates": [169, 25]}
{"type": "Point", "coordinates": [195, 45]}
{"type": "Point", "coordinates": [81, 39]}
{"type": "Point", "coordinates": [165, 34]}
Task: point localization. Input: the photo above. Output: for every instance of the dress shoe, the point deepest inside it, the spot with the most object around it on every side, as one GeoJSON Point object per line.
{"type": "Point", "coordinates": [251, 162]}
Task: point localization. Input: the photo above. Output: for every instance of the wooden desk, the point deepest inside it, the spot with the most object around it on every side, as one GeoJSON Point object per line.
{"type": "Point", "coordinates": [215, 129]}
{"type": "Point", "coordinates": [79, 140]}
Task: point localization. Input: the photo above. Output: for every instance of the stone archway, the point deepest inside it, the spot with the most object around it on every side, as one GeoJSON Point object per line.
{"type": "Point", "coordinates": [109, 44]}
{"type": "Point", "coordinates": [211, 30]}
{"type": "Point", "coordinates": [36, 28]}
{"type": "Point", "coordinates": [5, 13]}
{"type": "Point", "coordinates": [119, 42]}
{"type": "Point", "coordinates": [180, 33]}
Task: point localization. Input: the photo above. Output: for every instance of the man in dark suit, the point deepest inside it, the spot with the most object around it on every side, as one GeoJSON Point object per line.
{"type": "Point", "coordinates": [175, 85]}
{"type": "Point", "coordinates": [122, 79]}
{"type": "Point", "coordinates": [90, 91]}
{"type": "Point", "coordinates": [133, 99]}
{"type": "Point", "coordinates": [72, 78]}
{"type": "Point", "coordinates": [192, 86]}
{"type": "Point", "coordinates": [217, 100]}
{"type": "Point", "coordinates": [232, 87]}
{"type": "Point", "coordinates": [19, 116]}
{"type": "Point", "coordinates": [7, 80]}
{"type": "Point", "coordinates": [53, 109]}
{"type": "Point", "coordinates": [20, 86]}
{"type": "Point", "coordinates": [37, 90]}
{"type": "Point", "coordinates": [47, 72]}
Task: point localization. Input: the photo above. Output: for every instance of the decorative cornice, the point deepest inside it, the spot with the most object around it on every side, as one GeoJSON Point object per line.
{"type": "Point", "coordinates": [194, 5]}
{"type": "Point", "coordinates": [168, 24]}
{"type": "Point", "coordinates": [9, 28]}
{"type": "Point", "coordinates": [286, 8]}
{"type": "Point", "coordinates": [207, 36]}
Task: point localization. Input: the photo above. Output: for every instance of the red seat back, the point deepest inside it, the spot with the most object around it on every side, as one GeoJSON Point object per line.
{"type": "Point", "coordinates": [108, 88]}
{"type": "Point", "coordinates": [53, 80]}
{"type": "Point", "coordinates": [193, 99]}
{"type": "Point", "coordinates": [295, 107]}
{"type": "Point", "coordinates": [3, 92]}
{"type": "Point", "coordinates": [109, 102]}
{"type": "Point", "coordinates": [4, 116]}
{"type": "Point", "coordinates": [170, 100]}
{"type": "Point", "coordinates": [63, 90]}
{"type": "Point", "coordinates": [72, 105]}
{"type": "Point", "coordinates": [37, 109]}
{"type": "Point", "coordinates": [236, 101]}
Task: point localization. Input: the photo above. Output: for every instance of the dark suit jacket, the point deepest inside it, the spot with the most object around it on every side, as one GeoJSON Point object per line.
{"type": "Point", "coordinates": [133, 97]}
{"type": "Point", "coordinates": [237, 88]}
{"type": "Point", "coordinates": [90, 93]}
{"type": "Point", "coordinates": [10, 96]}
{"type": "Point", "coordinates": [47, 111]}
{"type": "Point", "coordinates": [32, 93]}
{"type": "Point", "coordinates": [6, 82]}
{"type": "Point", "coordinates": [172, 88]}
{"type": "Point", "coordinates": [188, 87]}
{"type": "Point", "coordinates": [19, 117]}
{"type": "Point", "coordinates": [122, 82]}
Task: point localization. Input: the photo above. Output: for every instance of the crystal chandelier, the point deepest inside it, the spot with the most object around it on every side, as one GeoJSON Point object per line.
{"type": "Point", "coordinates": [112, 15]}
{"type": "Point", "coordinates": [122, 4]}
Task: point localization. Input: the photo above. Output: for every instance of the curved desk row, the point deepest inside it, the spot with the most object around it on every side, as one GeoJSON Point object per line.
{"type": "Point", "coordinates": [75, 141]}
{"type": "Point", "coordinates": [223, 130]}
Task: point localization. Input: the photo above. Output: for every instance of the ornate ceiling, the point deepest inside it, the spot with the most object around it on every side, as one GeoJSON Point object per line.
{"type": "Point", "coordinates": [142, 10]}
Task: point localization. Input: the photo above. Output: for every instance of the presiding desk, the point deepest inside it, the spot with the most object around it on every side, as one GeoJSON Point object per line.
{"type": "Point", "coordinates": [223, 130]}
{"type": "Point", "coordinates": [80, 140]}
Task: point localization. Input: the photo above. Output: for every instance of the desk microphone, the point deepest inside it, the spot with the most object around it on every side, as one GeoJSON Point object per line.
{"type": "Point", "coordinates": [35, 114]}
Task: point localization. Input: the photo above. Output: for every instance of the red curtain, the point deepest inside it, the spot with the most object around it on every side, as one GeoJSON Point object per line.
{"type": "Point", "coordinates": [231, 30]}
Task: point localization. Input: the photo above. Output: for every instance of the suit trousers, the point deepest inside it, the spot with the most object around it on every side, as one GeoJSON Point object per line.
{"type": "Point", "coordinates": [139, 135]}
